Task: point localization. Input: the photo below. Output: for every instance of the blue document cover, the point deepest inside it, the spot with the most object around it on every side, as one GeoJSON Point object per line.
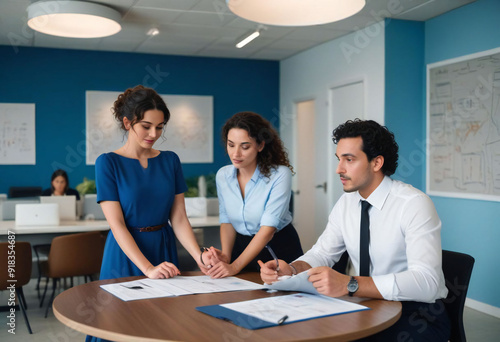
{"type": "Point", "coordinates": [278, 310]}
{"type": "Point", "coordinates": [238, 318]}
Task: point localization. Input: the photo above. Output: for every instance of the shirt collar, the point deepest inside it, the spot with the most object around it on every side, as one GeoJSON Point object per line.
{"type": "Point", "coordinates": [378, 197]}
{"type": "Point", "coordinates": [233, 173]}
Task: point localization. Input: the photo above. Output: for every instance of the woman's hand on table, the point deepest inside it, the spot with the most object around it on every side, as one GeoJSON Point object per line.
{"type": "Point", "coordinates": [222, 269]}
{"type": "Point", "coordinates": [162, 271]}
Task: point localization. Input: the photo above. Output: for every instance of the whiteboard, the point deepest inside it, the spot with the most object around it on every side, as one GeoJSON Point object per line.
{"type": "Point", "coordinates": [189, 132]}
{"type": "Point", "coordinates": [17, 134]}
{"type": "Point", "coordinates": [463, 127]}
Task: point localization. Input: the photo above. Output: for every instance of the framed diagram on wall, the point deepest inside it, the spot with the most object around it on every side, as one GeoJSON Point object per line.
{"type": "Point", "coordinates": [17, 134]}
{"type": "Point", "coordinates": [189, 132]}
{"type": "Point", "coordinates": [463, 127]}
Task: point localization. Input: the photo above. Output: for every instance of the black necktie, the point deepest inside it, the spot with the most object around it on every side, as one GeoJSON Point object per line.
{"type": "Point", "coordinates": [364, 241]}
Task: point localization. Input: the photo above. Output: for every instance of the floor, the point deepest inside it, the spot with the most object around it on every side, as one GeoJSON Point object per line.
{"type": "Point", "coordinates": [479, 327]}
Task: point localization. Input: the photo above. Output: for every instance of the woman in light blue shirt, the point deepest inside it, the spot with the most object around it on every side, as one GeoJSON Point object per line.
{"type": "Point", "coordinates": [254, 198]}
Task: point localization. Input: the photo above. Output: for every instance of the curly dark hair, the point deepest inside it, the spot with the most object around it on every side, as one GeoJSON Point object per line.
{"type": "Point", "coordinates": [377, 141]}
{"type": "Point", "coordinates": [258, 128]}
{"type": "Point", "coordinates": [134, 102]}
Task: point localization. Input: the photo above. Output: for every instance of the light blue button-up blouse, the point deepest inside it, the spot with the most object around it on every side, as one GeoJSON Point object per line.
{"type": "Point", "coordinates": [266, 201]}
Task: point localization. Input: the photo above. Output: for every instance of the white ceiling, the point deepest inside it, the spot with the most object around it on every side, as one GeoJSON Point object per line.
{"type": "Point", "coordinates": [208, 28]}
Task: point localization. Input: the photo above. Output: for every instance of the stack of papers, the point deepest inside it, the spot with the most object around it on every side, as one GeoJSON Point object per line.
{"type": "Point", "coordinates": [299, 283]}
{"type": "Point", "coordinates": [177, 286]}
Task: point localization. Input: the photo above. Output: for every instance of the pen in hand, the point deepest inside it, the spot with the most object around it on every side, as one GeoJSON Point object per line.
{"type": "Point", "coordinates": [274, 257]}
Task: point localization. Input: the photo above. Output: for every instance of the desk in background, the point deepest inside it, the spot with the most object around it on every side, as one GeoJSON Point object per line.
{"type": "Point", "coordinates": [91, 310]}
{"type": "Point", "coordinates": [39, 235]}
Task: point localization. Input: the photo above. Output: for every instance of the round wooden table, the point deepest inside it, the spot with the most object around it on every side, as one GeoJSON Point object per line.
{"type": "Point", "coordinates": [89, 309]}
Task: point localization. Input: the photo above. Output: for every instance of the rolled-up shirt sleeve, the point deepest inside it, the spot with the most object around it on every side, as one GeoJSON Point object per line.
{"type": "Point", "coordinates": [423, 281]}
{"type": "Point", "coordinates": [279, 199]}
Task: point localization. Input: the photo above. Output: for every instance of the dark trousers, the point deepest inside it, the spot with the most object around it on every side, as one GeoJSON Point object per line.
{"type": "Point", "coordinates": [419, 322]}
{"type": "Point", "coordinates": [285, 244]}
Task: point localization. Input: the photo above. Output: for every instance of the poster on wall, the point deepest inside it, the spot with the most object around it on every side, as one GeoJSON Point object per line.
{"type": "Point", "coordinates": [463, 127]}
{"type": "Point", "coordinates": [17, 134]}
{"type": "Point", "coordinates": [189, 132]}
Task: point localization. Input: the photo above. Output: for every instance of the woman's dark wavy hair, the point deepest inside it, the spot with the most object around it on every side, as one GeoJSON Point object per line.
{"type": "Point", "coordinates": [273, 154]}
{"type": "Point", "coordinates": [134, 102]}
{"type": "Point", "coordinates": [56, 174]}
{"type": "Point", "coordinates": [377, 141]}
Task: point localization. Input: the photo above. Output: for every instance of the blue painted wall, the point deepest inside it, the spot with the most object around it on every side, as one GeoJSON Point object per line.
{"type": "Point", "coordinates": [404, 81]}
{"type": "Point", "coordinates": [470, 226]}
{"type": "Point", "coordinates": [56, 81]}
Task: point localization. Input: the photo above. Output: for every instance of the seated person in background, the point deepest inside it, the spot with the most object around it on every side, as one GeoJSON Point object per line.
{"type": "Point", "coordinates": [254, 198]}
{"type": "Point", "coordinates": [59, 186]}
{"type": "Point", "coordinates": [402, 261]}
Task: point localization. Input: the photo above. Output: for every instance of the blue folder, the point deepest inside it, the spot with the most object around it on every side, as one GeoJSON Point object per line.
{"type": "Point", "coordinates": [251, 322]}
{"type": "Point", "coordinates": [235, 317]}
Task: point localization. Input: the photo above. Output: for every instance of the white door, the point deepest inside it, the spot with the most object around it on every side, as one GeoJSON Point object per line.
{"type": "Point", "coordinates": [346, 103]}
{"type": "Point", "coordinates": [304, 194]}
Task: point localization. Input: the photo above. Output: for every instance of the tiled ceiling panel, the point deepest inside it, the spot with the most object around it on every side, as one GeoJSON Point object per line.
{"type": "Point", "coordinates": [209, 28]}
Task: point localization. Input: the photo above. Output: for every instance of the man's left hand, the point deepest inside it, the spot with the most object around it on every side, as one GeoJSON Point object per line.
{"type": "Point", "coordinates": [328, 282]}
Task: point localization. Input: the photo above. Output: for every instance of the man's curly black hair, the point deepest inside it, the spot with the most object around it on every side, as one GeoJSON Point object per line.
{"type": "Point", "coordinates": [377, 141]}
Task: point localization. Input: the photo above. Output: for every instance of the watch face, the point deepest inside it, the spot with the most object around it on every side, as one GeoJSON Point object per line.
{"type": "Point", "coordinates": [352, 286]}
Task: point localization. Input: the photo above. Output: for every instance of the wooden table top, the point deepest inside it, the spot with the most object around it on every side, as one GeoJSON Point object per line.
{"type": "Point", "coordinates": [89, 309]}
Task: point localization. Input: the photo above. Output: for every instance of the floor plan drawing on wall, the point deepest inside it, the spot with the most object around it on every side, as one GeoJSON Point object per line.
{"type": "Point", "coordinates": [463, 127]}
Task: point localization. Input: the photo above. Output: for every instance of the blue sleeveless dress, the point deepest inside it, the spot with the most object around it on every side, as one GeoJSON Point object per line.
{"type": "Point", "coordinates": [146, 196]}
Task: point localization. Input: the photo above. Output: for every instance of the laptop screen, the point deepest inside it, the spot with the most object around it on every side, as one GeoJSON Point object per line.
{"type": "Point", "coordinates": [67, 206]}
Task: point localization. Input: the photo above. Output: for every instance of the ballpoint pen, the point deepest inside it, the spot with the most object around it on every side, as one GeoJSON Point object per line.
{"type": "Point", "coordinates": [282, 320]}
{"type": "Point", "coordinates": [274, 257]}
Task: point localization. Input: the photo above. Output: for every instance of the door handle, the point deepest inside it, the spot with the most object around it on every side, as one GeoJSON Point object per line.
{"type": "Point", "coordinates": [324, 186]}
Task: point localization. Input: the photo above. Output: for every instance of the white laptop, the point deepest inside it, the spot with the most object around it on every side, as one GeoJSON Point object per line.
{"type": "Point", "coordinates": [38, 214]}
{"type": "Point", "coordinates": [67, 206]}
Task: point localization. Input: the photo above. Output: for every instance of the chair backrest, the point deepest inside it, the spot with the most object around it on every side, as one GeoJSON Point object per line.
{"type": "Point", "coordinates": [22, 269]}
{"type": "Point", "coordinates": [75, 255]}
{"type": "Point", "coordinates": [341, 265]}
{"type": "Point", "coordinates": [457, 269]}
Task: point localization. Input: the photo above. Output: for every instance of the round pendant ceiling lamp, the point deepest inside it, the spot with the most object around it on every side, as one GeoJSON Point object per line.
{"type": "Point", "coordinates": [73, 19]}
{"type": "Point", "coordinates": [295, 12]}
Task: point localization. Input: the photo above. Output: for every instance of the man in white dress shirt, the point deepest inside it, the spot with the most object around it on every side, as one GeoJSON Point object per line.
{"type": "Point", "coordinates": [404, 238]}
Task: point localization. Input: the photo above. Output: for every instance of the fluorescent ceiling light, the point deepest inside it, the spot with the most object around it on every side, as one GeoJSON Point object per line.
{"type": "Point", "coordinates": [73, 19]}
{"type": "Point", "coordinates": [248, 39]}
{"type": "Point", "coordinates": [295, 12]}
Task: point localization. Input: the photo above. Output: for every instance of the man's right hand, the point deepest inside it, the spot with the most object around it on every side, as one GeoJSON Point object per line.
{"type": "Point", "coordinates": [268, 271]}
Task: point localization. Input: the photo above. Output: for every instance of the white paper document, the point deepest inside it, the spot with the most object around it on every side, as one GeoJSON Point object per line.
{"type": "Point", "coordinates": [177, 286]}
{"type": "Point", "coordinates": [294, 307]}
{"type": "Point", "coordinates": [299, 283]}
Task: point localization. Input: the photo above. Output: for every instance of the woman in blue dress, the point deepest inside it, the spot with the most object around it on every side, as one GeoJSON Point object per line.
{"type": "Point", "coordinates": [254, 198]}
{"type": "Point", "coordinates": [141, 190]}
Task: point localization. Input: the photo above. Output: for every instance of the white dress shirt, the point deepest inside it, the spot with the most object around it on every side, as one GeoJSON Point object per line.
{"type": "Point", "coordinates": [405, 241]}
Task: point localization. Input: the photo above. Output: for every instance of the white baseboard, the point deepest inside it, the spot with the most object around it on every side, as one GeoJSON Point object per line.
{"type": "Point", "coordinates": [482, 307]}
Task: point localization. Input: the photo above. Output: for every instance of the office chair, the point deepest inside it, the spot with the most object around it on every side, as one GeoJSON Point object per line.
{"type": "Point", "coordinates": [25, 191]}
{"type": "Point", "coordinates": [41, 255]}
{"type": "Point", "coordinates": [457, 269]}
{"type": "Point", "coordinates": [22, 272]}
{"type": "Point", "coordinates": [72, 256]}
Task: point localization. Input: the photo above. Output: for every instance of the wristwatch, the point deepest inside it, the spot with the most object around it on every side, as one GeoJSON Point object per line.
{"type": "Point", "coordinates": [352, 286]}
